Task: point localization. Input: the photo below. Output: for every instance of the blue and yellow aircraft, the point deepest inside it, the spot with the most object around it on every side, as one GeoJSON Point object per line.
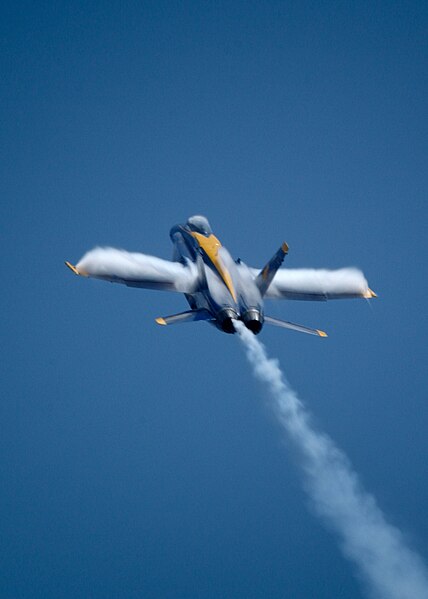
{"type": "Point", "coordinates": [219, 289]}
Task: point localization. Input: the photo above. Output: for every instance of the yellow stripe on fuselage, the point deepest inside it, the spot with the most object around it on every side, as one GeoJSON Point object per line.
{"type": "Point", "coordinates": [211, 246]}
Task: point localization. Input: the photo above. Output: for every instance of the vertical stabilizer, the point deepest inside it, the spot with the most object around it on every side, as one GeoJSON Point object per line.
{"type": "Point", "coordinates": [265, 276]}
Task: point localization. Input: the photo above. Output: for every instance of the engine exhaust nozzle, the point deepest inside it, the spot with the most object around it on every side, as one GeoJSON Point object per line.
{"type": "Point", "coordinates": [225, 320]}
{"type": "Point", "coordinates": [253, 320]}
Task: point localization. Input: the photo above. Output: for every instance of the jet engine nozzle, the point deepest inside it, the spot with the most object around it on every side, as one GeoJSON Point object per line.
{"type": "Point", "coordinates": [253, 320]}
{"type": "Point", "coordinates": [225, 320]}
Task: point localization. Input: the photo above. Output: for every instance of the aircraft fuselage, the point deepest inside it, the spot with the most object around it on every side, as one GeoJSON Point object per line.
{"type": "Point", "coordinates": [227, 292]}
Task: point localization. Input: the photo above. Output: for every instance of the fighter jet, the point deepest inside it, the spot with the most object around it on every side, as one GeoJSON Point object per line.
{"type": "Point", "coordinates": [219, 289]}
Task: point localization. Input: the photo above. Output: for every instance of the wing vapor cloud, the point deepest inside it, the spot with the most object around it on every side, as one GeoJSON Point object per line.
{"type": "Point", "coordinates": [389, 568]}
{"type": "Point", "coordinates": [136, 269]}
{"type": "Point", "coordinates": [309, 283]}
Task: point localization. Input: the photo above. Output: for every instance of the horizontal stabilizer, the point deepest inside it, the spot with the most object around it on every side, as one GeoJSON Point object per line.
{"type": "Point", "coordinates": [295, 327]}
{"type": "Point", "coordinates": [188, 316]}
{"type": "Point", "coordinates": [266, 275]}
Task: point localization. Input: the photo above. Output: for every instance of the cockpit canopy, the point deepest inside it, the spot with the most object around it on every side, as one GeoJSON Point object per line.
{"type": "Point", "coordinates": [199, 224]}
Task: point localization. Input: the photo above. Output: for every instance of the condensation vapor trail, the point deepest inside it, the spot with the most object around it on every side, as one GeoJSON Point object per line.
{"type": "Point", "coordinates": [388, 567]}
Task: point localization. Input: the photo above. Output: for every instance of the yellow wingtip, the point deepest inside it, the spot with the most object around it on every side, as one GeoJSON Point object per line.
{"type": "Point", "coordinates": [161, 321]}
{"type": "Point", "coordinates": [284, 247]}
{"type": "Point", "coordinates": [71, 267]}
{"type": "Point", "coordinates": [369, 294]}
{"type": "Point", "coordinates": [81, 273]}
{"type": "Point", "coordinates": [322, 333]}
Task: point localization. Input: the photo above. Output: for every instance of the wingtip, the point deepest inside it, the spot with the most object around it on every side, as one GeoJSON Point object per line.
{"type": "Point", "coordinates": [321, 333]}
{"type": "Point", "coordinates": [161, 321]}
{"type": "Point", "coordinates": [284, 247]}
{"type": "Point", "coordinates": [72, 267]}
{"type": "Point", "coordinates": [369, 294]}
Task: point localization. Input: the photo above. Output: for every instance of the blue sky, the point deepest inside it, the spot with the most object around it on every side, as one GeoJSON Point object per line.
{"type": "Point", "coordinates": [140, 461]}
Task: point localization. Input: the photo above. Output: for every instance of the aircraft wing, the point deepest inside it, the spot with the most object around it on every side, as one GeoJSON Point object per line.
{"type": "Point", "coordinates": [317, 284]}
{"type": "Point", "coordinates": [137, 270]}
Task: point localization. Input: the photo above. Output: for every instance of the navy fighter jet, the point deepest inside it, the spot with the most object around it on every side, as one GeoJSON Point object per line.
{"type": "Point", "coordinates": [218, 288]}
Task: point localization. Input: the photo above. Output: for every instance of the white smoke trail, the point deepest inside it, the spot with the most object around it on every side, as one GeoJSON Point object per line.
{"type": "Point", "coordinates": [389, 568]}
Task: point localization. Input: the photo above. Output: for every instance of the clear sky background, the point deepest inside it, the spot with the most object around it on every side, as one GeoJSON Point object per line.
{"type": "Point", "coordinates": [139, 461]}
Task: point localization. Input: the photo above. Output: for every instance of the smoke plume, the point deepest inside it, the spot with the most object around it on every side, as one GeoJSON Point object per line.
{"type": "Point", "coordinates": [389, 568]}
